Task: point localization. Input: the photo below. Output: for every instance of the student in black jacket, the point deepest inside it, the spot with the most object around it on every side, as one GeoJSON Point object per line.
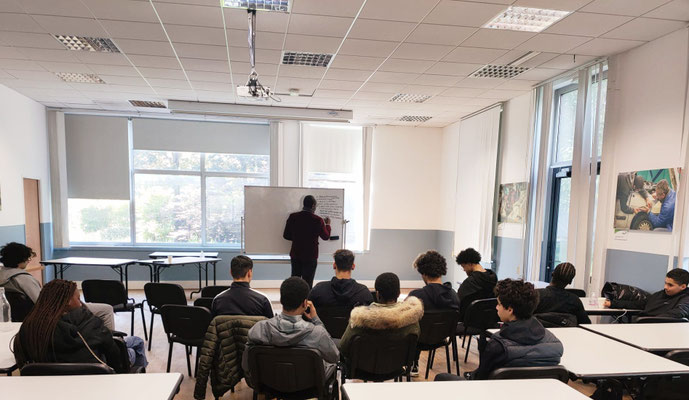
{"type": "Point", "coordinates": [341, 290]}
{"type": "Point", "coordinates": [672, 302]}
{"type": "Point", "coordinates": [240, 299]}
{"type": "Point", "coordinates": [555, 299]}
{"type": "Point", "coordinates": [435, 296]}
{"type": "Point", "coordinates": [479, 283]}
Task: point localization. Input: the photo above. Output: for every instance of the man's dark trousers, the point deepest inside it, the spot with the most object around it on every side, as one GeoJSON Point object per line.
{"type": "Point", "coordinates": [306, 269]}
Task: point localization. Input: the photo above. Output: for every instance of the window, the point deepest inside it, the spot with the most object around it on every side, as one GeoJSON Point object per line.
{"type": "Point", "coordinates": [92, 220]}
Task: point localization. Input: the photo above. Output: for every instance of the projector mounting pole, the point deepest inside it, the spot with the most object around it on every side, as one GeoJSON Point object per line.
{"type": "Point", "coordinates": [252, 40]}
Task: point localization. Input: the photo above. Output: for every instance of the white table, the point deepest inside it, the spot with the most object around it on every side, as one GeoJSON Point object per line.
{"type": "Point", "coordinates": [649, 337]}
{"type": "Point", "coordinates": [7, 332]}
{"type": "Point", "coordinates": [524, 389]}
{"type": "Point", "coordinates": [202, 263]}
{"type": "Point", "coordinates": [88, 387]}
{"type": "Point", "coordinates": [164, 254]}
{"type": "Point", "coordinates": [116, 264]}
{"type": "Point", "coordinates": [598, 309]}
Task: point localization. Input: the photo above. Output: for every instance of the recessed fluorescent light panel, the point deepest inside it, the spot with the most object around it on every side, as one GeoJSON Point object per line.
{"type": "Point", "coordinates": [415, 118]}
{"type": "Point", "coordinates": [499, 71]}
{"type": "Point", "coordinates": [79, 78]}
{"type": "Point", "coordinates": [147, 104]}
{"type": "Point", "coordinates": [83, 43]}
{"type": "Point", "coordinates": [409, 98]}
{"type": "Point", "coordinates": [260, 5]}
{"type": "Point", "coordinates": [308, 59]}
{"type": "Point", "coordinates": [526, 19]}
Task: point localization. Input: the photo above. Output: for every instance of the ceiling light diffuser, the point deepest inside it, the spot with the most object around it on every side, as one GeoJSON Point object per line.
{"type": "Point", "coordinates": [304, 58]}
{"type": "Point", "coordinates": [84, 43]}
{"type": "Point", "coordinates": [414, 118]}
{"type": "Point", "coordinates": [260, 5]}
{"type": "Point", "coordinates": [498, 71]}
{"type": "Point", "coordinates": [409, 98]}
{"type": "Point", "coordinates": [79, 78]}
{"type": "Point", "coordinates": [526, 19]}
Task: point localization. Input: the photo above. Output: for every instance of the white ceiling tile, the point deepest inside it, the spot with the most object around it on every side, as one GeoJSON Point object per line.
{"type": "Point", "coordinates": [539, 74]}
{"type": "Point", "coordinates": [324, 102]}
{"type": "Point", "coordinates": [264, 40]}
{"type": "Point", "coordinates": [497, 39]}
{"type": "Point", "coordinates": [440, 34]}
{"type": "Point", "coordinates": [393, 77]}
{"type": "Point", "coordinates": [474, 55]}
{"type": "Point", "coordinates": [502, 94]}
{"type": "Point", "coordinates": [313, 44]}
{"type": "Point", "coordinates": [69, 8]}
{"type": "Point", "coordinates": [169, 83]}
{"type": "Point", "coordinates": [34, 40]}
{"type": "Point", "coordinates": [356, 62]}
{"type": "Point", "coordinates": [177, 94]}
{"type": "Point", "coordinates": [207, 52]}
{"type": "Point", "coordinates": [91, 57]}
{"type": "Point", "coordinates": [34, 75]}
{"type": "Point", "coordinates": [371, 48]}
{"type": "Point", "coordinates": [122, 10]}
{"type": "Point", "coordinates": [397, 10]}
{"type": "Point", "coordinates": [213, 87]}
{"type": "Point", "coordinates": [5, 75]}
{"type": "Point", "coordinates": [206, 76]}
{"type": "Point", "coordinates": [24, 65]}
{"type": "Point", "coordinates": [399, 65]}
{"type": "Point", "coordinates": [606, 47]}
{"type": "Point", "coordinates": [162, 73]}
{"type": "Point", "coordinates": [66, 67]}
{"type": "Point", "coordinates": [371, 29]}
{"type": "Point", "coordinates": [623, 7]}
{"type": "Point", "coordinates": [423, 90]}
{"type": "Point", "coordinates": [676, 10]}
{"type": "Point", "coordinates": [347, 74]}
{"type": "Point", "coordinates": [480, 83]}
{"type": "Point", "coordinates": [19, 23]}
{"type": "Point", "coordinates": [301, 71]}
{"type": "Point", "coordinates": [334, 94]}
{"type": "Point", "coordinates": [196, 34]}
{"type": "Point", "coordinates": [267, 80]}
{"type": "Point", "coordinates": [154, 61]}
{"type": "Point", "coordinates": [262, 55]}
{"type": "Point", "coordinates": [531, 63]}
{"type": "Point", "coordinates": [304, 85]}
{"type": "Point", "coordinates": [71, 26]}
{"type": "Point", "coordinates": [437, 80]}
{"type": "Point", "coordinates": [10, 7]}
{"type": "Point", "coordinates": [383, 87]}
{"type": "Point", "coordinates": [319, 25]}
{"type": "Point", "coordinates": [415, 51]}
{"type": "Point", "coordinates": [455, 69]}
{"type": "Point", "coordinates": [49, 54]}
{"type": "Point", "coordinates": [145, 47]}
{"type": "Point", "coordinates": [375, 96]}
{"type": "Point", "coordinates": [567, 61]}
{"type": "Point", "coordinates": [645, 29]}
{"type": "Point", "coordinates": [564, 5]}
{"type": "Point", "coordinates": [294, 101]}
{"type": "Point", "coordinates": [339, 85]}
{"type": "Point", "coordinates": [553, 43]}
{"type": "Point", "coordinates": [265, 21]}
{"type": "Point", "coordinates": [450, 12]}
{"type": "Point", "coordinates": [587, 24]}
{"type": "Point", "coordinates": [463, 92]}
{"type": "Point", "coordinates": [189, 14]}
{"type": "Point", "coordinates": [514, 84]}
{"type": "Point", "coordinates": [120, 70]}
{"type": "Point", "coordinates": [11, 52]}
{"type": "Point", "coordinates": [337, 8]}
{"type": "Point", "coordinates": [124, 80]}
{"type": "Point", "coordinates": [134, 30]}
{"type": "Point", "coordinates": [262, 69]}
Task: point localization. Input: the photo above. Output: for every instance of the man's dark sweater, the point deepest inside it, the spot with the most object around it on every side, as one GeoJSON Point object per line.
{"type": "Point", "coordinates": [478, 285]}
{"type": "Point", "coordinates": [659, 304]}
{"type": "Point", "coordinates": [436, 296]}
{"type": "Point", "coordinates": [556, 300]}
{"type": "Point", "coordinates": [340, 292]}
{"type": "Point", "coordinates": [240, 299]}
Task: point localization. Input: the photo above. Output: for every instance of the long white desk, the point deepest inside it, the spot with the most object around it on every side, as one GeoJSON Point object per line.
{"type": "Point", "coordinates": [598, 309]}
{"type": "Point", "coordinates": [526, 389]}
{"type": "Point", "coordinates": [649, 337]}
{"type": "Point", "coordinates": [116, 264]}
{"type": "Point", "coordinates": [7, 332]}
{"type": "Point", "coordinates": [157, 265]}
{"type": "Point", "coordinates": [88, 387]}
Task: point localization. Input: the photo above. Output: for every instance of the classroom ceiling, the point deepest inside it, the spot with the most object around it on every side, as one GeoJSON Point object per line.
{"type": "Point", "coordinates": [196, 50]}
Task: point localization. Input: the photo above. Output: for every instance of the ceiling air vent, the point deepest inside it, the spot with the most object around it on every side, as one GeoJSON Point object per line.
{"type": "Point", "coordinates": [260, 5]}
{"type": "Point", "coordinates": [415, 118]}
{"type": "Point", "coordinates": [302, 58]}
{"type": "Point", "coordinates": [499, 71]}
{"type": "Point", "coordinates": [409, 98]}
{"type": "Point", "coordinates": [147, 104]}
{"type": "Point", "coordinates": [83, 43]}
{"type": "Point", "coordinates": [74, 77]}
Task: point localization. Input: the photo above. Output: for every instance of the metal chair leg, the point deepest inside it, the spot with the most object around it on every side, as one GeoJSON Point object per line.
{"type": "Point", "coordinates": [196, 366]}
{"type": "Point", "coordinates": [429, 362]}
{"type": "Point", "coordinates": [466, 355]}
{"type": "Point", "coordinates": [447, 358]}
{"type": "Point", "coordinates": [464, 339]}
{"type": "Point", "coordinates": [186, 350]}
{"type": "Point", "coordinates": [455, 351]}
{"type": "Point", "coordinates": [150, 336]}
{"type": "Point", "coordinates": [169, 357]}
{"type": "Point", "coordinates": [132, 334]}
{"type": "Point", "coordinates": [432, 358]}
{"type": "Point", "coordinates": [143, 320]}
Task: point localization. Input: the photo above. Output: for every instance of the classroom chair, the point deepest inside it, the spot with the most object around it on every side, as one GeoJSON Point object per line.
{"type": "Point", "coordinates": [668, 387]}
{"type": "Point", "coordinates": [186, 325]}
{"type": "Point", "coordinates": [378, 357]}
{"type": "Point", "coordinates": [577, 292]}
{"type": "Point", "coordinates": [552, 372]}
{"type": "Point", "coordinates": [51, 369]}
{"type": "Point", "coordinates": [480, 316]}
{"type": "Point", "coordinates": [20, 304]}
{"type": "Point", "coordinates": [289, 372]}
{"type": "Point", "coordinates": [335, 319]}
{"type": "Point", "coordinates": [438, 330]}
{"type": "Point", "coordinates": [160, 294]}
{"type": "Point", "coordinates": [113, 293]}
{"type": "Point", "coordinates": [206, 302]}
{"type": "Point", "coordinates": [658, 320]}
{"type": "Point", "coordinates": [212, 291]}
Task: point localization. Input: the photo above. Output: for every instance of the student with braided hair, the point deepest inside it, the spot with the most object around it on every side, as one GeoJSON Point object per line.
{"type": "Point", "coordinates": [60, 329]}
{"type": "Point", "coordinates": [555, 299]}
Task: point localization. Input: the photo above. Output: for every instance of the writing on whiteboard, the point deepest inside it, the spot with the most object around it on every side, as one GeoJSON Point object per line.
{"type": "Point", "coordinates": [329, 206]}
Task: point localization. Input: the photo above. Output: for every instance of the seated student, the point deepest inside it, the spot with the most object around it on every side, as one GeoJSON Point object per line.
{"type": "Point", "coordinates": [240, 299]}
{"type": "Point", "coordinates": [672, 302]}
{"type": "Point", "coordinates": [435, 296]}
{"type": "Point", "coordinates": [341, 290]}
{"type": "Point", "coordinates": [297, 326]}
{"type": "Point", "coordinates": [555, 299]}
{"type": "Point", "coordinates": [60, 329]}
{"type": "Point", "coordinates": [386, 316]}
{"type": "Point", "coordinates": [479, 283]}
{"type": "Point", "coordinates": [15, 257]}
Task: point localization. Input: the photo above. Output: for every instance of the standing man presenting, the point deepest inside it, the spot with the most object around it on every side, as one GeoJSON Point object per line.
{"type": "Point", "coordinates": [303, 228]}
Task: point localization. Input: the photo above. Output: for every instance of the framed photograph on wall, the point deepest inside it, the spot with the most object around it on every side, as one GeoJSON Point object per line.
{"type": "Point", "coordinates": [513, 199]}
{"type": "Point", "coordinates": [645, 200]}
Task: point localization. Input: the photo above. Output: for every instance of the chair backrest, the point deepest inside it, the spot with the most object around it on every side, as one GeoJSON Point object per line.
{"type": "Point", "coordinates": [104, 291]}
{"type": "Point", "coordinates": [212, 291]}
{"type": "Point", "coordinates": [556, 320]}
{"type": "Point", "coordinates": [185, 322]}
{"type": "Point", "coordinates": [680, 356]}
{"type": "Point", "coordinates": [160, 294]}
{"type": "Point", "coordinates": [206, 302]}
{"type": "Point", "coordinates": [481, 314]}
{"type": "Point", "coordinates": [281, 371]}
{"type": "Point", "coordinates": [577, 292]}
{"type": "Point", "coordinates": [335, 319]}
{"type": "Point", "coordinates": [659, 320]}
{"type": "Point", "coordinates": [437, 325]}
{"type": "Point", "coordinates": [380, 355]}
{"type": "Point", "coordinates": [20, 304]}
{"type": "Point", "coordinates": [45, 369]}
{"type": "Point", "coordinates": [553, 372]}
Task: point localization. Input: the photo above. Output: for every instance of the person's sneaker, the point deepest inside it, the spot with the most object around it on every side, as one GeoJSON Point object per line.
{"type": "Point", "coordinates": [415, 370]}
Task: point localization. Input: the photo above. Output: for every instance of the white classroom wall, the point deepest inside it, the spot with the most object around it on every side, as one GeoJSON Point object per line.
{"type": "Point", "coordinates": [23, 154]}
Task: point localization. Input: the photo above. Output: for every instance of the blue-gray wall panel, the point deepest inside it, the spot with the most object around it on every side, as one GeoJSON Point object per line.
{"type": "Point", "coordinates": [508, 257]}
{"type": "Point", "coordinates": [12, 233]}
{"type": "Point", "coordinates": [644, 270]}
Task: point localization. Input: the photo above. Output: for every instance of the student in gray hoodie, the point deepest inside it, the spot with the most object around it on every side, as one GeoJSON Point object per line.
{"type": "Point", "coordinates": [297, 325]}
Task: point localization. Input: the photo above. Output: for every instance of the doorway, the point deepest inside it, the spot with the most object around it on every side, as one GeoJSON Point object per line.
{"type": "Point", "coordinates": [32, 218]}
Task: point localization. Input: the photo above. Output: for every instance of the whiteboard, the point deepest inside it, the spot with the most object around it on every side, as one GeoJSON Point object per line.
{"type": "Point", "coordinates": [266, 209]}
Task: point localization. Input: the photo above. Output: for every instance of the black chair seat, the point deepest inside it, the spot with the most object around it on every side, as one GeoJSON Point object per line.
{"type": "Point", "coordinates": [464, 330]}
{"type": "Point", "coordinates": [551, 372]}
{"type": "Point", "coordinates": [125, 307]}
{"type": "Point", "coordinates": [186, 342]}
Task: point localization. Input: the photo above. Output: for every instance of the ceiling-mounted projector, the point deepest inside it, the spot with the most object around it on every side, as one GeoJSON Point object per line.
{"type": "Point", "coordinates": [253, 88]}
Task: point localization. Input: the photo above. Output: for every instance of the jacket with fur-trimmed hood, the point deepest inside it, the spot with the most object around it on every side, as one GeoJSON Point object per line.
{"type": "Point", "coordinates": [392, 320]}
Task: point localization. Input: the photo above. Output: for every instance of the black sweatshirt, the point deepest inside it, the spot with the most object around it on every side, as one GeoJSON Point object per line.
{"type": "Point", "coordinates": [659, 304]}
{"type": "Point", "coordinates": [478, 285]}
{"type": "Point", "coordinates": [240, 299]}
{"type": "Point", "coordinates": [340, 292]}
{"type": "Point", "coordinates": [436, 296]}
{"type": "Point", "coordinates": [557, 300]}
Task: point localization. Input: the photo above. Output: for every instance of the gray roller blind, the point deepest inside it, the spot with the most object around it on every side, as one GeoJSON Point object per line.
{"type": "Point", "coordinates": [97, 157]}
{"type": "Point", "coordinates": [201, 136]}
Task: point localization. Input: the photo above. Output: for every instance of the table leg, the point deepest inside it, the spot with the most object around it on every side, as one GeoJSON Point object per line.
{"type": "Point", "coordinates": [197, 291]}
{"type": "Point", "coordinates": [215, 263]}
{"type": "Point", "coordinates": [206, 270]}
{"type": "Point", "coordinates": [62, 271]}
{"type": "Point", "coordinates": [55, 271]}
{"type": "Point", "coordinates": [126, 278]}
